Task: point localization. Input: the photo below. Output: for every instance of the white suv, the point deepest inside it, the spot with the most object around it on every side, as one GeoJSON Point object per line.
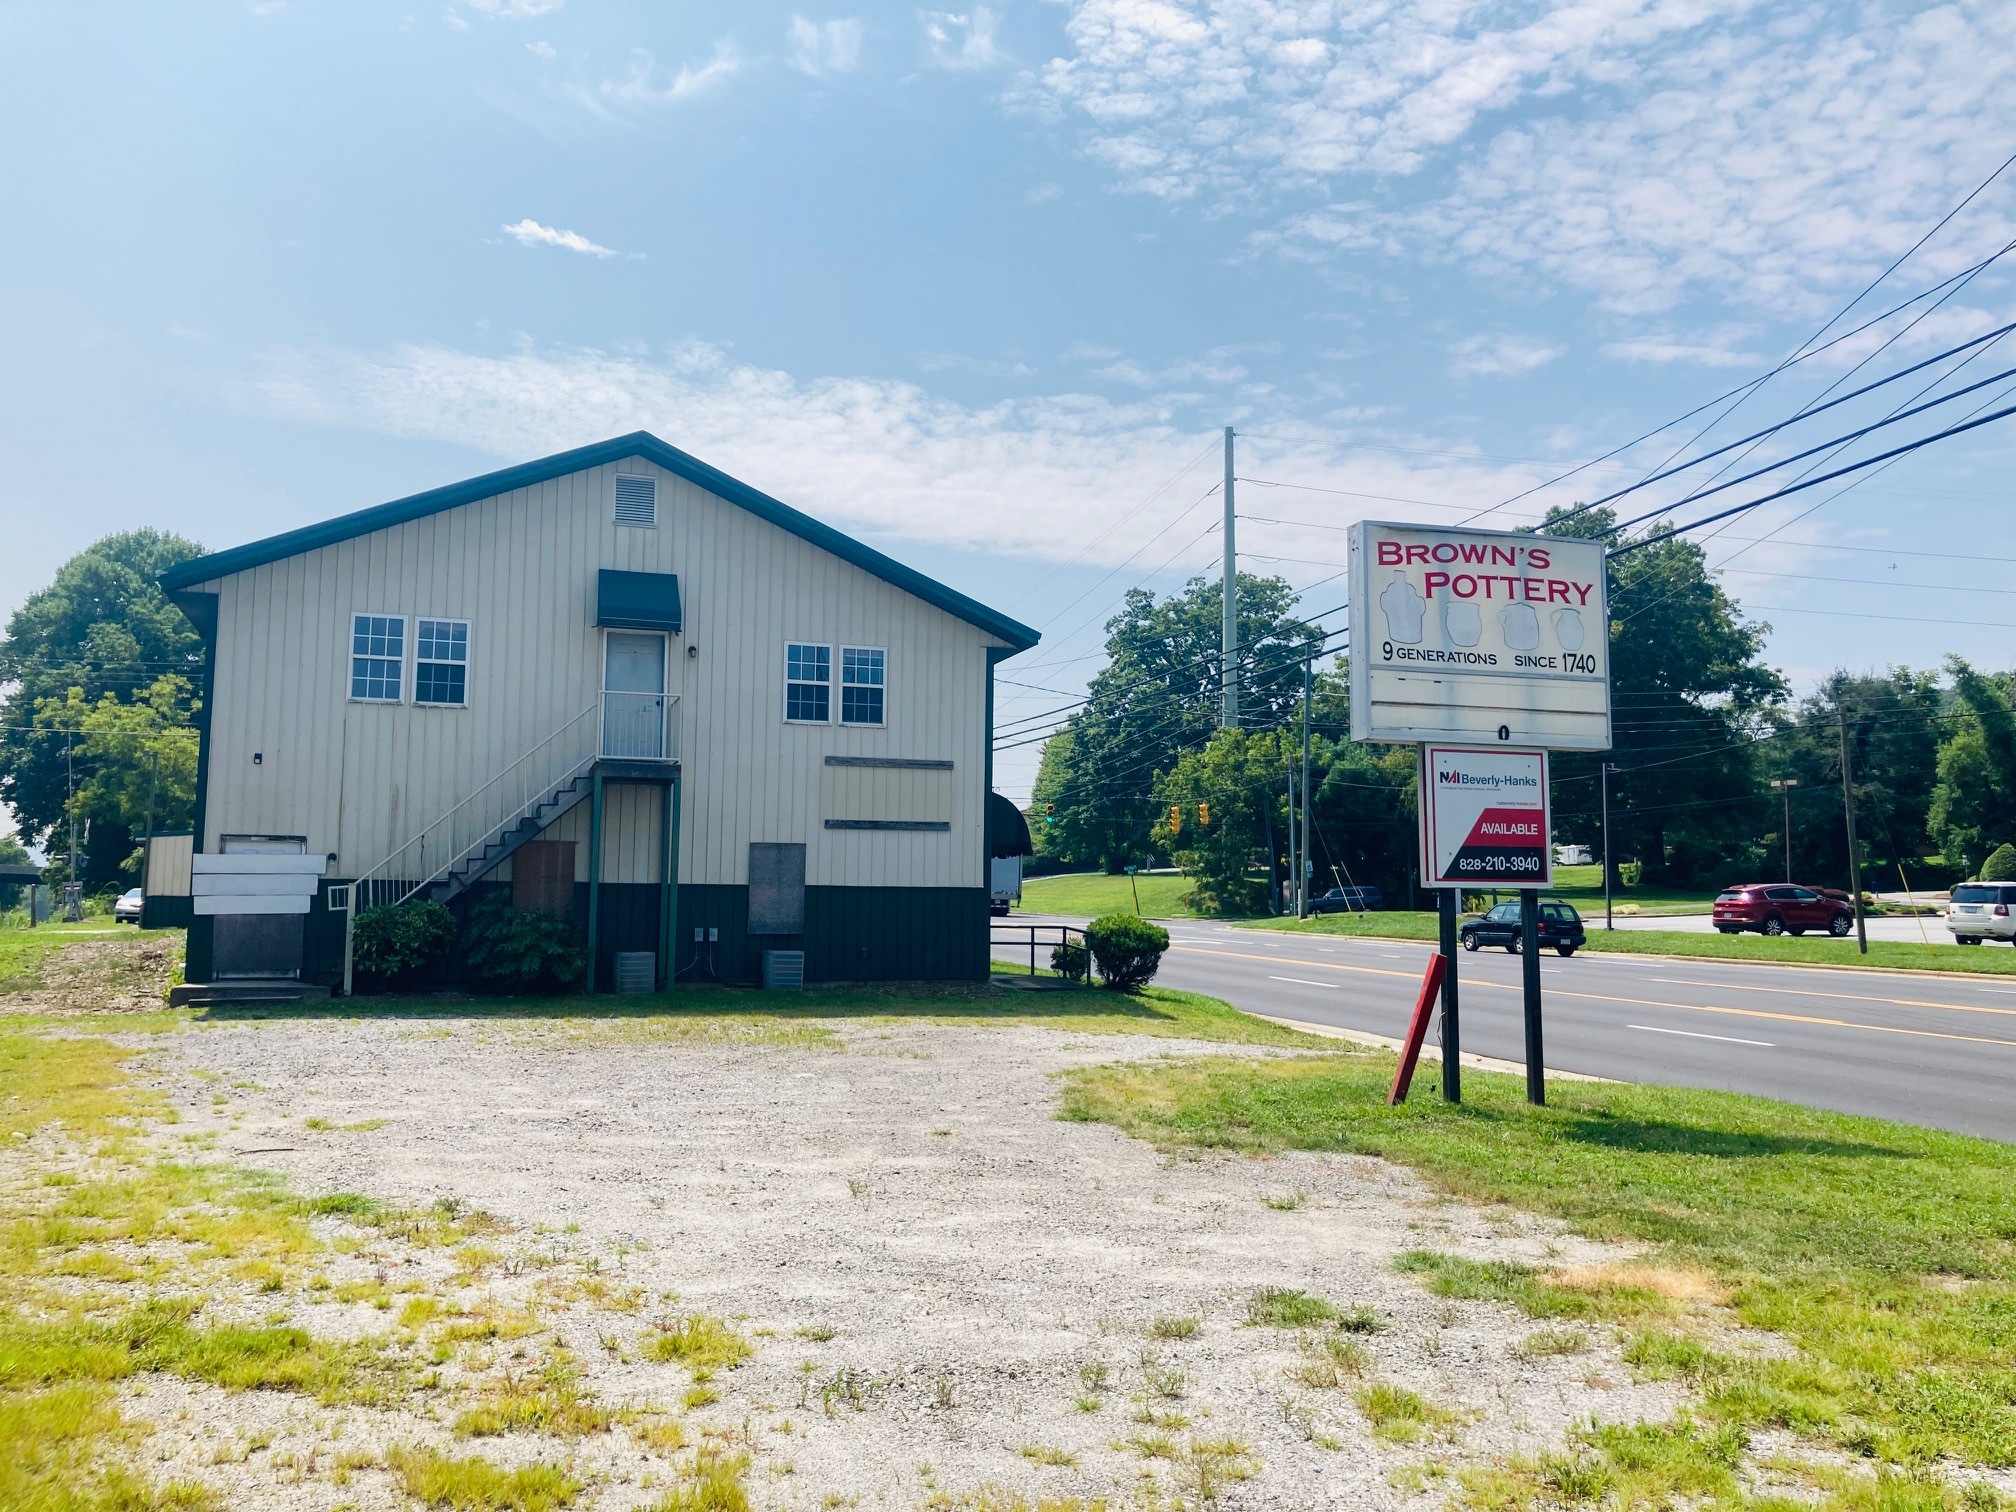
{"type": "Point", "coordinates": [1982, 911]}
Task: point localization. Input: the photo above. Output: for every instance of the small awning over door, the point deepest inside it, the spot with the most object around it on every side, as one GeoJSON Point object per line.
{"type": "Point", "coordinates": [638, 600]}
{"type": "Point", "coordinates": [1007, 830]}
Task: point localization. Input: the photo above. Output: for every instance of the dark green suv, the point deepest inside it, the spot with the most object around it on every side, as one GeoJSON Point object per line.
{"type": "Point", "coordinates": [1560, 926]}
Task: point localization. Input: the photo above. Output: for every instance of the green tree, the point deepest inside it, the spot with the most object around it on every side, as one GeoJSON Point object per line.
{"type": "Point", "coordinates": [1234, 862]}
{"type": "Point", "coordinates": [1157, 697]}
{"type": "Point", "coordinates": [1974, 804]}
{"type": "Point", "coordinates": [1893, 721]}
{"type": "Point", "coordinates": [2000, 865]}
{"type": "Point", "coordinates": [137, 766]}
{"type": "Point", "coordinates": [102, 628]}
{"type": "Point", "coordinates": [12, 853]}
{"type": "Point", "coordinates": [1363, 806]}
{"type": "Point", "coordinates": [1691, 696]}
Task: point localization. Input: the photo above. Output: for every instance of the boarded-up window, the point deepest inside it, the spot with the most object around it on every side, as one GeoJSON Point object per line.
{"type": "Point", "coordinates": [542, 876]}
{"type": "Point", "coordinates": [776, 889]}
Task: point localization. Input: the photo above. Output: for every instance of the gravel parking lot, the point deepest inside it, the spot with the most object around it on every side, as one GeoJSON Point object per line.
{"type": "Point", "coordinates": [950, 1293]}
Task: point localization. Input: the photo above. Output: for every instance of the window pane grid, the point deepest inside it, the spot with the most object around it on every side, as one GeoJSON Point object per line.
{"type": "Point", "coordinates": [862, 671]}
{"type": "Point", "coordinates": [441, 656]}
{"type": "Point", "coordinates": [377, 656]}
{"type": "Point", "coordinates": [808, 683]}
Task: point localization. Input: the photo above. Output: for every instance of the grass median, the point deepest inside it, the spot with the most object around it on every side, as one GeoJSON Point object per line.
{"type": "Point", "coordinates": [1884, 1255]}
{"type": "Point", "coordinates": [1160, 895]}
{"type": "Point", "coordinates": [1884, 955]}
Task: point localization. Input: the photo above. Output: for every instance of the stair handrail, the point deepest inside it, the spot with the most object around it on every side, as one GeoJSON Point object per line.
{"type": "Point", "coordinates": [555, 776]}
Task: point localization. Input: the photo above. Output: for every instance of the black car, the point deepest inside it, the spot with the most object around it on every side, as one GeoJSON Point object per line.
{"type": "Point", "coordinates": [1560, 926]}
{"type": "Point", "coordinates": [1347, 900]}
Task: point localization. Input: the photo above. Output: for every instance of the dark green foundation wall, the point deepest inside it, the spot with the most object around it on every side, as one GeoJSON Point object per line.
{"type": "Point", "coordinates": [852, 934]}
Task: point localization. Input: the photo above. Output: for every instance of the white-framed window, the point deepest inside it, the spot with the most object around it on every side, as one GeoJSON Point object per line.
{"type": "Point", "coordinates": [636, 500]}
{"type": "Point", "coordinates": [863, 676]}
{"type": "Point", "coordinates": [378, 657]}
{"type": "Point", "coordinates": [441, 662]}
{"type": "Point", "coordinates": [808, 683]}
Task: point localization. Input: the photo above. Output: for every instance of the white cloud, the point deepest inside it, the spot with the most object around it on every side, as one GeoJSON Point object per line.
{"type": "Point", "coordinates": [1484, 356]}
{"type": "Point", "coordinates": [543, 50]}
{"type": "Point", "coordinates": [529, 233]}
{"type": "Point", "coordinates": [1036, 477]}
{"type": "Point", "coordinates": [1042, 194]}
{"type": "Point", "coordinates": [1640, 149]}
{"type": "Point", "coordinates": [1716, 349]}
{"type": "Point", "coordinates": [961, 40]}
{"type": "Point", "coordinates": [641, 88]}
{"type": "Point", "coordinates": [1181, 96]}
{"type": "Point", "coordinates": [824, 47]}
{"type": "Point", "coordinates": [514, 10]}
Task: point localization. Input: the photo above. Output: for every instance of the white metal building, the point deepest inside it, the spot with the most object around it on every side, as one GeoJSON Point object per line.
{"type": "Point", "coordinates": [618, 682]}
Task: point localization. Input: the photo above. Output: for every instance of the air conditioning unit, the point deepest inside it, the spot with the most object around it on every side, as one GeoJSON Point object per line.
{"type": "Point", "coordinates": [784, 969]}
{"type": "Point", "coordinates": [636, 972]}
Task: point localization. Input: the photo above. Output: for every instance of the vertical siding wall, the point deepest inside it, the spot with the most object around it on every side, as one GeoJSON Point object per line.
{"type": "Point", "coordinates": [360, 779]}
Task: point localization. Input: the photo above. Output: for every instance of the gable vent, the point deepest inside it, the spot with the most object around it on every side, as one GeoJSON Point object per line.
{"type": "Point", "coordinates": [636, 500]}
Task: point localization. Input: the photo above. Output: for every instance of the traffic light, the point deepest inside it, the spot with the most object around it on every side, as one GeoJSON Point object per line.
{"type": "Point", "coordinates": [1204, 815]}
{"type": "Point", "coordinates": [1175, 818]}
{"type": "Point", "coordinates": [1049, 813]}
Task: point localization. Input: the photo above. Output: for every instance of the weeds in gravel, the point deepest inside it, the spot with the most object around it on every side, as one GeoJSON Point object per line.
{"type": "Point", "coordinates": [1045, 1454]}
{"type": "Point", "coordinates": [1330, 1362]}
{"type": "Point", "coordinates": [1277, 1307]}
{"type": "Point", "coordinates": [1285, 1202]}
{"type": "Point", "coordinates": [1398, 1415]}
{"type": "Point", "coordinates": [710, 1482]}
{"type": "Point", "coordinates": [1553, 1341]}
{"type": "Point", "coordinates": [699, 1341]}
{"type": "Point", "coordinates": [549, 1401]}
{"type": "Point", "coordinates": [475, 1485]}
{"type": "Point", "coordinates": [1174, 1328]}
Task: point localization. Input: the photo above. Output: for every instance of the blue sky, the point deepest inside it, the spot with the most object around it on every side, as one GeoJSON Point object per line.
{"type": "Point", "coordinates": [977, 283]}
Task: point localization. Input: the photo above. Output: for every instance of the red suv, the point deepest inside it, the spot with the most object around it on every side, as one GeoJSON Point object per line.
{"type": "Point", "coordinates": [1776, 908]}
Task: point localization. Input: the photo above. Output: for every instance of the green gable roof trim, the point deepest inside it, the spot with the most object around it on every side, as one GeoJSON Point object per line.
{"type": "Point", "coordinates": [636, 444]}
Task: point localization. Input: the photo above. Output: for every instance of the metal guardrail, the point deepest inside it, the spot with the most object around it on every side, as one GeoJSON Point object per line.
{"type": "Point", "coordinates": [1053, 935]}
{"type": "Point", "coordinates": [640, 726]}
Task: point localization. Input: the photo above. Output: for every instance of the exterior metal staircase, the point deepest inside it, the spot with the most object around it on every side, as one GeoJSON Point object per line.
{"type": "Point", "coordinates": [472, 868]}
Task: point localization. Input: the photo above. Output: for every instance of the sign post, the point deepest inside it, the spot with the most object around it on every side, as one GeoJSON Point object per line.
{"type": "Point", "coordinates": [1487, 650]}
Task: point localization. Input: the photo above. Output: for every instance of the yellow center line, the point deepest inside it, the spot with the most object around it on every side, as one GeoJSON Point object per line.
{"type": "Point", "coordinates": [1604, 997]}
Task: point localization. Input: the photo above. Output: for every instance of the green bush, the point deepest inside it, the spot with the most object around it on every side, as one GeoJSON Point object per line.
{"type": "Point", "coordinates": [2000, 865]}
{"type": "Point", "coordinates": [1072, 960]}
{"type": "Point", "coordinates": [517, 951]}
{"type": "Point", "coordinates": [1127, 949]}
{"type": "Point", "coordinates": [397, 942]}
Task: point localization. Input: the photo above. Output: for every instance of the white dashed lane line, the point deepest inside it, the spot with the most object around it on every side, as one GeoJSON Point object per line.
{"type": "Point", "coordinates": [1727, 1039]}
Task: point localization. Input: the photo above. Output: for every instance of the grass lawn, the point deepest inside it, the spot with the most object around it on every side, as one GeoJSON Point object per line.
{"type": "Point", "coordinates": [1094, 893]}
{"type": "Point", "coordinates": [806, 1018]}
{"type": "Point", "coordinates": [1884, 955]}
{"type": "Point", "coordinates": [24, 952]}
{"type": "Point", "coordinates": [1584, 885]}
{"type": "Point", "coordinates": [1885, 1254]}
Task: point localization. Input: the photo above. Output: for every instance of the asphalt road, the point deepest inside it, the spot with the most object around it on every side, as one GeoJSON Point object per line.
{"type": "Point", "coordinates": [1933, 1050]}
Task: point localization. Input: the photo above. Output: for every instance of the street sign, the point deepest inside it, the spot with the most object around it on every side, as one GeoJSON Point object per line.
{"type": "Point", "coordinates": [1478, 636]}
{"type": "Point", "coordinates": [1484, 818]}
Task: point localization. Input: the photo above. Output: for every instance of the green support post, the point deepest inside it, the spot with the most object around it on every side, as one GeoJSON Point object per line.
{"type": "Point", "coordinates": [594, 875]}
{"type": "Point", "coordinates": [668, 885]}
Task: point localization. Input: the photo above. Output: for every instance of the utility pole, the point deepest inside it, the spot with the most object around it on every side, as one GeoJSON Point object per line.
{"type": "Point", "coordinates": [1854, 852]}
{"type": "Point", "coordinates": [1785, 785]}
{"type": "Point", "coordinates": [147, 837]}
{"type": "Point", "coordinates": [1302, 877]}
{"type": "Point", "coordinates": [1609, 907]}
{"type": "Point", "coordinates": [1228, 709]}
